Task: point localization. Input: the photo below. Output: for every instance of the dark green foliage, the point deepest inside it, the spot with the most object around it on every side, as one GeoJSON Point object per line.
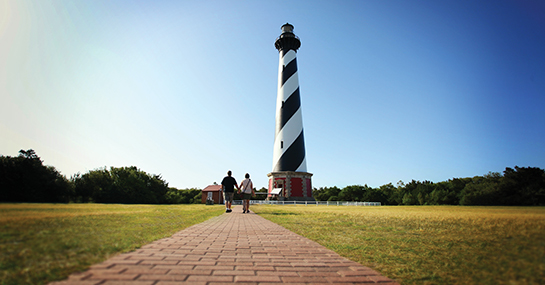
{"type": "Point", "coordinates": [186, 196]}
{"type": "Point", "coordinates": [481, 190]}
{"type": "Point", "coordinates": [352, 193]}
{"type": "Point", "coordinates": [260, 196]}
{"type": "Point", "coordinates": [25, 179]}
{"type": "Point", "coordinates": [524, 186]}
{"type": "Point", "coordinates": [389, 192]}
{"type": "Point", "coordinates": [128, 185]}
{"type": "Point", "coordinates": [326, 193]}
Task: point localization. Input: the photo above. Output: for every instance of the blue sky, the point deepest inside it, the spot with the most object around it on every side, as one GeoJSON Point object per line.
{"type": "Point", "coordinates": [390, 90]}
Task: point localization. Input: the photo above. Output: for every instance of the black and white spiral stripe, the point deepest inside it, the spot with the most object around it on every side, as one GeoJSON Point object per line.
{"type": "Point", "coordinates": [289, 144]}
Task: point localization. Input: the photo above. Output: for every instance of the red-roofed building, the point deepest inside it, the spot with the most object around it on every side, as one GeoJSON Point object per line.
{"type": "Point", "coordinates": [213, 192]}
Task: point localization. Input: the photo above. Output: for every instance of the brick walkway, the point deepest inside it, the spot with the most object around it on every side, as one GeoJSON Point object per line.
{"type": "Point", "coordinates": [231, 248]}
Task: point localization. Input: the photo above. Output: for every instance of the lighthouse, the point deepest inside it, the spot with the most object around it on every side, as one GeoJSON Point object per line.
{"type": "Point", "coordinates": [289, 178]}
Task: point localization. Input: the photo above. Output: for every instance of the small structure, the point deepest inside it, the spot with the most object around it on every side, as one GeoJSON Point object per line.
{"type": "Point", "coordinates": [275, 194]}
{"type": "Point", "coordinates": [212, 193]}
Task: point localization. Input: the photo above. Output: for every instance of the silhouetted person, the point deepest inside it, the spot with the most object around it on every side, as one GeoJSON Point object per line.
{"type": "Point", "coordinates": [228, 183]}
{"type": "Point", "coordinates": [247, 193]}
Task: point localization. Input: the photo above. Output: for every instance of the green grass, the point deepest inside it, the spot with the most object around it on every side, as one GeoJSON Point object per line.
{"type": "Point", "coordinates": [40, 243]}
{"type": "Point", "coordinates": [428, 244]}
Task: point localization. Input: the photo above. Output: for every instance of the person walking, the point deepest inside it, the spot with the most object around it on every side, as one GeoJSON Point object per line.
{"type": "Point", "coordinates": [228, 184]}
{"type": "Point", "coordinates": [247, 193]}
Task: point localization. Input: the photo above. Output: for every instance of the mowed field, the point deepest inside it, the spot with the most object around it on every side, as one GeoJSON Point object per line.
{"type": "Point", "coordinates": [45, 242]}
{"type": "Point", "coordinates": [415, 245]}
{"type": "Point", "coordinates": [428, 244]}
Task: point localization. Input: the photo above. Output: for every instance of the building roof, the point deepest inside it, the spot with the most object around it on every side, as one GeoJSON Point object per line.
{"type": "Point", "coordinates": [212, 188]}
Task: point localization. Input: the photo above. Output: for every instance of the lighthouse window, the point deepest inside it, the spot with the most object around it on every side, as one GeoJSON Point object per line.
{"type": "Point", "coordinates": [281, 144]}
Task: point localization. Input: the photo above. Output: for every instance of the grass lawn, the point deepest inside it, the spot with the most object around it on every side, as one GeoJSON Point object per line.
{"type": "Point", "coordinates": [428, 244]}
{"type": "Point", "coordinates": [45, 242]}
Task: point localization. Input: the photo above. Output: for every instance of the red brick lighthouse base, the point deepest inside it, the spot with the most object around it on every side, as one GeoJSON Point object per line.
{"type": "Point", "coordinates": [290, 185]}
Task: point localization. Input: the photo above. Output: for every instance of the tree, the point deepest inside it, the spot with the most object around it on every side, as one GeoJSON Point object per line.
{"type": "Point", "coordinates": [410, 193]}
{"type": "Point", "coordinates": [29, 154]}
{"type": "Point", "coordinates": [325, 193]}
{"type": "Point", "coordinates": [333, 198]}
{"type": "Point", "coordinates": [375, 195]}
{"type": "Point", "coordinates": [387, 192]}
{"type": "Point", "coordinates": [352, 193]}
{"type": "Point", "coordinates": [121, 185]}
{"type": "Point", "coordinates": [25, 179]}
{"type": "Point", "coordinates": [481, 191]}
{"type": "Point", "coordinates": [397, 194]}
{"type": "Point", "coordinates": [408, 199]}
{"type": "Point", "coordinates": [522, 186]}
{"type": "Point", "coordinates": [93, 186]}
{"type": "Point", "coordinates": [261, 196]}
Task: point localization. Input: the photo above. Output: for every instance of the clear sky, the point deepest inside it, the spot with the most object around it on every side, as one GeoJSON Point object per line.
{"type": "Point", "coordinates": [390, 90]}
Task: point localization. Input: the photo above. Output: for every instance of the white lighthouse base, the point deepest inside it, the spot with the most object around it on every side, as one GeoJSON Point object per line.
{"type": "Point", "coordinates": [295, 186]}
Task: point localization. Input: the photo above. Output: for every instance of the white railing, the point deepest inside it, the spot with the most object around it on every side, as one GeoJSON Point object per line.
{"type": "Point", "coordinates": [307, 203]}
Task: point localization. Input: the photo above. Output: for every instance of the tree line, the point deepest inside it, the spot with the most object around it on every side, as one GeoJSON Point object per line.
{"type": "Point", "coordinates": [24, 178]}
{"type": "Point", "coordinates": [521, 186]}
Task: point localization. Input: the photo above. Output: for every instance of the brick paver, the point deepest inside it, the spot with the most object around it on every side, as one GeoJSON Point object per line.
{"type": "Point", "coordinates": [231, 248]}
